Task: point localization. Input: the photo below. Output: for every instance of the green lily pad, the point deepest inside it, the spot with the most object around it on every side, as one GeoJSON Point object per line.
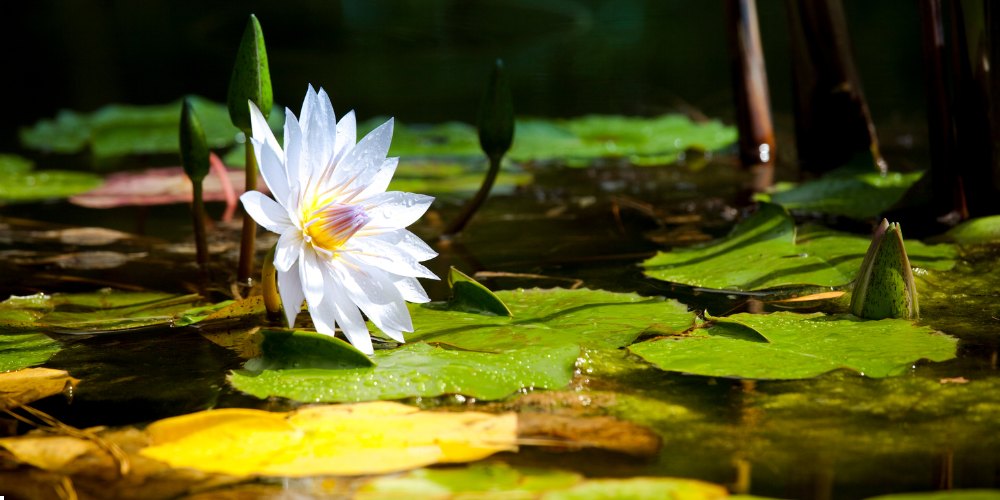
{"type": "Point", "coordinates": [765, 251]}
{"type": "Point", "coordinates": [860, 193]}
{"type": "Point", "coordinates": [469, 295]}
{"type": "Point", "coordinates": [498, 480]}
{"type": "Point", "coordinates": [24, 184]}
{"type": "Point", "coordinates": [440, 178]}
{"type": "Point", "coordinates": [483, 356]}
{"type": "Point", "coordinates": [786, 345]}
{"type": "Point", "coordinates": [577, 141]}
{"type": "Point", "coordinates": [94, 312]}
{"type": "Point", "coordinates": [979, 231]}
{"type": "Point", "coordinates": [117, 130]}
{"type": "Point", "coordinates": [21, 350]}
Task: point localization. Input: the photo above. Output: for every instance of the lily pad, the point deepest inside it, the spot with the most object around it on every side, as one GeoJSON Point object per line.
{"type": "Point", "coordinates": [578, 141]}
{"type": "Point", "coordinates": [117, 130]}
{"type": "Point", "coordinates": [786, 345]}
{"type": "Point", "coordinates": [498, 480]}
{"type": "Point", "coordinates": [24, 184]}
{"type": "Point", "coordinates": [94, 312]}
{"type": "Point", "coordinates": [487, 357]}
{"type": "Point", "coordinates": [766, 251]}
{"type": "Point", "coordinates": [860, 193]}
{"type": "Point", "coordinates": [21, 350]}
{"type": "Point", "coordinates": [982, 230]}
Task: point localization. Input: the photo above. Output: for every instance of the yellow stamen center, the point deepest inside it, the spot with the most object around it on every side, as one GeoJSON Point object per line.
{"type": "Point", "coordinates": [328, 227]}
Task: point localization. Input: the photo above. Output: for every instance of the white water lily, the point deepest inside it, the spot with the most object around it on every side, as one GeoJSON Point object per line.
{"type": "Point", "coordinates": [343, 248]}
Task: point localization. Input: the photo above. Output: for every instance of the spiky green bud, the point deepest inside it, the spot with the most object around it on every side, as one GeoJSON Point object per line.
{"type": "Point", "coordinates": [496, 115]}
{"type": "Point", "coordinates": [885, 287]}
{"type": "Point", "coordinates": [194, 147]}
{"type": "Point", "coordinates": [251, 80]}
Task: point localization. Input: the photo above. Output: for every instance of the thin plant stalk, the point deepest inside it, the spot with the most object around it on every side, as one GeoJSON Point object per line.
{"type": "Point", "coordinates": [472, 206]}
{"type": "Point", "coordinates": [249, 235]}
{"type": "Point", "coordinates": [750, 91]}
{"type": "Point", "coordinates": [198, 220]}
{"type": "Point", "coordinates": [269, 283]}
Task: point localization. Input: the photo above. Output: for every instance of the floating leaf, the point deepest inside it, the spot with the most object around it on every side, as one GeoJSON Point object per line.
{"type": "Point", "coordinates": [20, 350]}
{"type": "Point", "coordinates": [982, 230]}
{"type": "Point", "coordinates": [94, 312]}
{"type": "Point", "coordinates": [23, 184]}
{"type": "Point", "coordinates": [31, 384]}
{"type": "Point", "coordinates": [578, 141]}
{"type": "Point", "coordinates": [368, 438]}
{"type": "Point", "coordinates": [156, 186]}
{"type": "Point", "coordinates": [764, 252]}
{"type": "Point", "coordinates": [786, 345]}
{"type": "Point", "coordinates": [487, 357]}
{"type": "Point", "coordinates": [861, 193]}
{"type": "Point", "coordinates": [498, 480]}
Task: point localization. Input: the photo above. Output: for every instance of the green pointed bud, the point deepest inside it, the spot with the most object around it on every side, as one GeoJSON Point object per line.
{"type": "Point", "coordinates": [194, 147]}
{"type": "Point", "coordinates": [251, 80]}
{"type": "Point", "coordinates": [884, 287]}
{"type": "Point", "coordinates": [496, 115]}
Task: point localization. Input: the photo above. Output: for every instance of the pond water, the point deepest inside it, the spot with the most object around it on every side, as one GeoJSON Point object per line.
{"type": "Point", "coordinates": [838, 435]}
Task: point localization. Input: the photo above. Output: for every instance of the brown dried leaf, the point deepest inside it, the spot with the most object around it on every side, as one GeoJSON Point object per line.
{"type": "Point", "coordinates": [31, 384]}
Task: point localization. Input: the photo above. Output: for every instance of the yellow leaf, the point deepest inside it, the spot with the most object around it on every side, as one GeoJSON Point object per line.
{"type": "Point", "coordinates": [31, 384]}
{"type": "Point", "coordinates": [365, 438]}
{"type": "Point", "coordinates": [48, 452]}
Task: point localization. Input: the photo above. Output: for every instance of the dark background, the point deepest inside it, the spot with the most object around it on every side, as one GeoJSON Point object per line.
{"type": "Point", "coordinates": [427, 60]}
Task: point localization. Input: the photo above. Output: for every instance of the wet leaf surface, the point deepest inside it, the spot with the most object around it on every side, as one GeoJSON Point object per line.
{"type": "Point", "coordinates": [20, 350]}
{"type": "Point", "coordinates": [791, 346]}
{"type": "Point", "coordinates": [23, 184]}
{"type": "Point", "coordinates": [767, 251]}
{"type": "Point", "coordinates": [858, 192]}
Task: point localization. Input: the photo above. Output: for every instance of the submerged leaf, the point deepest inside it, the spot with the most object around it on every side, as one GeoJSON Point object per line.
{"type": "Point", "coordinates": [786, 345]}
{"type": "Point", "coordinates": [765, 251]}
{"type": "Point", "coordinates": [368, 438]}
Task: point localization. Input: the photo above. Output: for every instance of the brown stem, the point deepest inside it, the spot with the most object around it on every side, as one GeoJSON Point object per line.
{"type": "Point", "coordinates": [249, 235]}
{"type": "Point", "coordinates": [750, 90]}
{"type": "Point", "coordinates": [473, 205]}
{"type": "Point", "coordinates": [269, 282]}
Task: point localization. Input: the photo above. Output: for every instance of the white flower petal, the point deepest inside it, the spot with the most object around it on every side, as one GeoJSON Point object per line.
{"type": "Point", "coordinates": [349, 317]}
{"type": "Point", "coordinates": [287, 251]}
{"type": "Point", "coordinates": [404, 240]}
{"type": "Point", "coordinates": [374, 292]}
{"type": "Point", "coordinates": [323, 317]}
{"type": "Point", "coordinates": [266, 212]}
{"type": "Point", "coordinates": [319, 135]}
{"type": "Point", "coordinates": [260, 129]}
{"type": "Point", "coordinates": [293, 152]}
{"type": "Point", "coordinates": [395, 209]}
{"type": "Point", "coordinates": [347, 136]}
{"type": "Point", "coordinates": [307, 105]}
{"type": "Point", "coordinates": [290, 290]}
{"type": "Point", "coordinates": [380, 181]}
{"type": "Point", "coordinates": [410, 289]}
{"type": "Point", "coordinates": [272, 169]}
{"type": "Point", "coordinates": [388, 257]}
{"type": "Point", "coordinates": [311, 272]}
{"type": "Point", "coordinates": [361, 163]}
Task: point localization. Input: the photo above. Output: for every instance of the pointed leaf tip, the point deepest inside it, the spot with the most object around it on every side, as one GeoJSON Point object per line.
{"type": "Point", "coordinates": [193, 145]}
{"type": "Point", "coordinates": [470, 295]}
{"type": "Point", "coordinates": [496, 114]}
{"type": "Point", "coordinates": [251, 79]}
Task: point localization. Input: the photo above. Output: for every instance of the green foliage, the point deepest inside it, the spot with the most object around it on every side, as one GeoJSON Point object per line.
{"type": "Point", "coordinates": [251, 79]}
{"type": "Point", "coordinates": [765, 251]}
{"type": "Point", "coordinates": [885, 287]}
{"type": "Point", "coordinates": [26, 349]}
{"type": "Point", "coordinates": [194, 148]}
{"type": "Point", "coordinates": [487, 357]}
{"type": "Point", "coordinates": [850, 191]}
{"type": "Point", "coordinates": [786, 345]}
{"type": "Point", "coordinates": [93, 312]}
{"type": "Point", "coordinates": [118, 130]}
{"type": "Point", "coordinates": [23, 184]}
{"type": "Point", "coordinates": [982, 230]}
{"type": "Point", "coordinates": [469, 295]}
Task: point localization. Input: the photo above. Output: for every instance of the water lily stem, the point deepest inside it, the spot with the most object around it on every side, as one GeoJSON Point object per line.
{"type": "Point", "coordinates": [477, 201]}
{"type": "Point", "coordinates": [269, 281]}
{"type": "Point", "coordinates": [249, 234]}
{"type": "Point", "coordinates": [198, 214]}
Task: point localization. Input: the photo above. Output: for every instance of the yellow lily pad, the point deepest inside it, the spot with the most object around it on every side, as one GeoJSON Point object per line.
{"type": "Point", "coordinates": [367, 438]}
